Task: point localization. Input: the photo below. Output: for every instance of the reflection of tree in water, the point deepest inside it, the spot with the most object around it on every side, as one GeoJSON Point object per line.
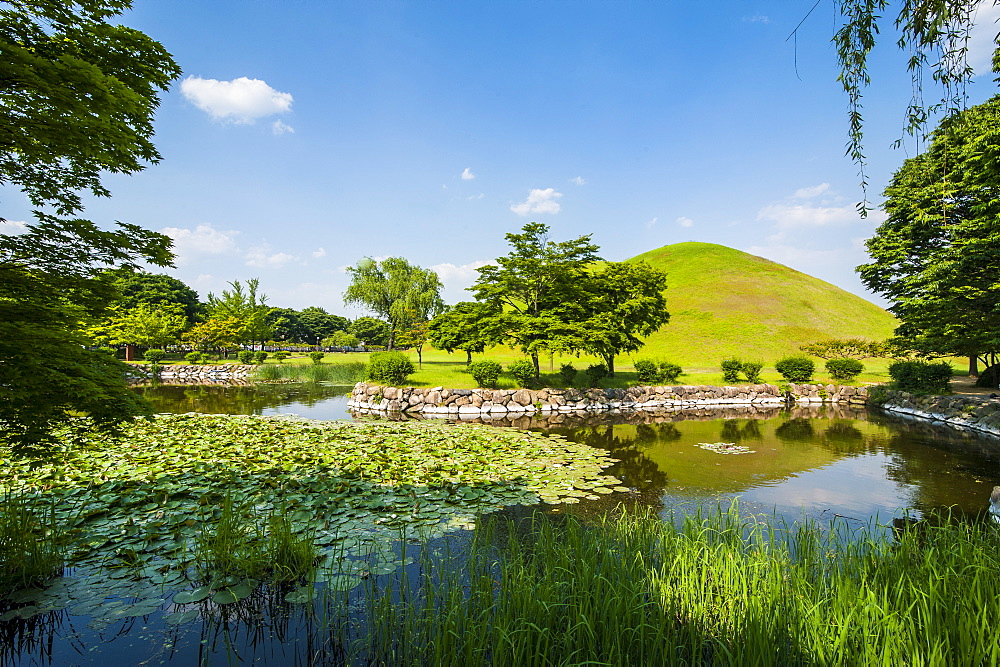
{"type": "Point", "coordinates": [842, 437]}
{"type": "Point", "coordinates": [634, 468]}
{"type": "Point", "coordinates": [234, 400]}
{"type": "Point", "coordinates": [737, 430]}
{"type": "Point", "coordinates": [797, 430]}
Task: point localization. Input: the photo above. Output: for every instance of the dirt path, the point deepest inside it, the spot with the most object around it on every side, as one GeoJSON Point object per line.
{"type": "Point", "coordinates": [966, 386]}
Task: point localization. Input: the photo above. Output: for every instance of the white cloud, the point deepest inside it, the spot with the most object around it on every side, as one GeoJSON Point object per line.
{"type": "Point", "coordinates": [202, 240]}
{"type": "Point", "coordinates": [262, 258]}
{"type": "Point", "coordinates": [467, 175]}
{"type": "Point", "coordinates": [456, 278]}
{"type": "Point", "coordinates": [799, 216]}
{"type": "Point", "coordinates": [810, 192]}
{"type": "Point", "coordinates": [13, 227]}
{"type": "Point", "coordinates": [684, 221]}
{"type": "Point", "coordinates": [758, 18]}
{"type": "Point", "coordinates": [982, 37]}
{"type": "Point", "coordinates": [479, 196]}
{"type": "Point", "coordinates": [579, 180]}
{"type": "Point", "coordinates": [278, 128]}
{"type": "Point", "coordinates": [651, 223]}
{"type": "Point", "coordinates": [241, 100]}
{"type": "Point", "coordinates": [319, 253]}
{"type": "Point", "coordinates": [539, 201]}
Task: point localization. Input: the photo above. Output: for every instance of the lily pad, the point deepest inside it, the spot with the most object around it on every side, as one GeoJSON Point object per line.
{"type": "Point", "coordinates": [196, 595]}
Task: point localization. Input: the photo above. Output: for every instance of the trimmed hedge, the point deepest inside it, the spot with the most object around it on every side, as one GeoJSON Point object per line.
{"type": "Point", "coordinates": [388, 368]}
{"type": "Point", "coordinates": [796, 369]}
{"type": "Point", "coordinates": [523, 371]}
{"type": "Point", "coordinates": [485, 372]}
{"type": "Point", "coordinates": [844, 369]}
{"type": "Point", "coordinates": [921, 376]}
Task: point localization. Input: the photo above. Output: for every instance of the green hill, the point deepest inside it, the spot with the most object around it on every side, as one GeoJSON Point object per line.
{"type": "Point", "coordinates": [724, 302]}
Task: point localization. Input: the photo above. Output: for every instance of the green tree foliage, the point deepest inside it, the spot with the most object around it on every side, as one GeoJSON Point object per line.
{"type": "Point", "coordinates": [415, 334]}
{"type": "Point", "coordinates": [623, 301]}
{"type": "Point", "coordinates": [77, 96]}
{"type": "Point", "coordinates": [157, 289]}
{"type": "Point", "coordinates": [851, 348]}
{"type": "Point", "coordinates": [218, 334]}
{"type": "Point", "coordinates": [460, 328]}
{"type": "Point", "coordinates": [936, 256]}
{"type": "Point", "coordinates": [286, 326]}
{"type": "Point", "coordinates": [371, 330]}
{"type": "Point", "coordinates": [341, 339]}
{"type": "Point", "coordinates": [50, 281]}
{"type": "Point", "coordinates": [535, 294]}
{"type": "Point", "coordinates": [319, 324]}
{"type": "Point", "coordinates": [395, 290]}
{"type": "Point", "coordinates": [145, 325]}
{"type": "Point", "coordinates": [921, 376]}
{"type": "Point", "coordinates": [246, 307]}
{"type": "Point", "coordinates": [933, 33]}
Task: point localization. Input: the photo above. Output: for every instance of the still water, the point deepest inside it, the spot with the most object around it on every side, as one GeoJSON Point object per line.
{"type": "Point", "coordinates": [818, 463]}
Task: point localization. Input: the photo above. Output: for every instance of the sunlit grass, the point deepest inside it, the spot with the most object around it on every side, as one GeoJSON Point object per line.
{"type": "Point", "coordinates": [719, 590]}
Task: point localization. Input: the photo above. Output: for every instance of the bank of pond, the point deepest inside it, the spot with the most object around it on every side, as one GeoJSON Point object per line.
{"type": "Point", "coordinates": [739, 536]}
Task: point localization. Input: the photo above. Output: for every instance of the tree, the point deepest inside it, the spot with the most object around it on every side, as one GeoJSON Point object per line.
{"type": "Point", "coordinates": [623, 302]}
{"type": "Point", "coordinates": [395, 290]}
{"type": "Point", "coordinates": [935, 258]}
{"type": "Point", "coordinates": [50, 282]}
{"type": "Point", "coordinates": [77, 97]}
{"type": "Point", "coordinates": [142, 287]}
{"type": "Point", "coordinates": [246, 307]}
{"type": "Point", "coordinates": [460, 328]}
{"type": "Point", "coordinates": [535, 292]}
{"type": "Point", "coordinates": [371, 330]}
{"type": "Point", "coordinates": [935, 35]}
{"type": "Point", "coordinates": [144, 325]}
{"type": "Point", "coordinates": [341, 339]}
{"type": "Point", "coordinates": [286, 326]}
{"type": "Point", "coordinates": [415, 334]}
{"type": "Point", "coordinates": [219, 334]}
{"type": "Point", "coordinates": [320, 324]}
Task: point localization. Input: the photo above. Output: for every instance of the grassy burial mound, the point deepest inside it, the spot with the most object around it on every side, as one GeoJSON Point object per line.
{"type": "Point", "coordinates": [725, 302]}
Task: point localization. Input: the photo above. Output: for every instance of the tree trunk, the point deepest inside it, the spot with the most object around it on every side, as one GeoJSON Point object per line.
{"type": "Point", "coordinates": [973, 365]}
{"type": "Point", "coordinates": [609, 361]}
{"type": "Point", "coordinates": [420, 358]}
{"type": "Point", "coordinates": [534, 361]}
{"type": "Point", "coordinates": [468, 357]}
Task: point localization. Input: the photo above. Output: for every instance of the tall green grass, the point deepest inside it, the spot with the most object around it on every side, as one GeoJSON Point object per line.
{"type": "Point", "coordinates": [31, 544]}
{"type": "Point", "coordinates": [712, 591]}
{"type": "Point", "coordinates": [346, 373]}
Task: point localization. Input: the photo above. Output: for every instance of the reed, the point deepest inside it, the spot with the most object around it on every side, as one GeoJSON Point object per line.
{"type": "Point", "coordinates": [31, 542]}
{"type": "Point", "coordinates": [346, 373]}
{"type": "Point", "coordinates": [716, 590]}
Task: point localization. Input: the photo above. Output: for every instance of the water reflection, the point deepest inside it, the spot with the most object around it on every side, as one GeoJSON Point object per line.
{"type": "Point", "coordinates": [312, 400]}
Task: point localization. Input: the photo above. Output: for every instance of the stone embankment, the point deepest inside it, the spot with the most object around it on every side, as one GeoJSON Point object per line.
{"type": "Point", "coordinates": [197, 374]}
{"type": "Point", "coordinates": [440, 401]}
{"type": "Point", "coordinates": [979, 413]}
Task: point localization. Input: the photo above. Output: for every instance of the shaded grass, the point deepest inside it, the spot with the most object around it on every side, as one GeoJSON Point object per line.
{"type": "Point", "coordinates": [31, 548]}
{"type": "Point", "coordinates": [717, 590]}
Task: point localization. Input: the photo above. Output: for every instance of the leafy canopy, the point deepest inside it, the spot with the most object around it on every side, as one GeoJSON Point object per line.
{"type": "Point", "coordinates": [395, 290]}
{"type": "Point", "coordinates": [936, 256]}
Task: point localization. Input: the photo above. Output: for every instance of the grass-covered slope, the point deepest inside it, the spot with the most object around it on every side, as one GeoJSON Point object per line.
{"type": "Point", "coordinates": [725, 302]}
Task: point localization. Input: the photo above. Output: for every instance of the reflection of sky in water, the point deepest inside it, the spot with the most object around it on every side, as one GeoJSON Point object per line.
{"type": "Point", "coordinates": [854, 486]}
{"type": "Point", "coordinates": [334, 407]}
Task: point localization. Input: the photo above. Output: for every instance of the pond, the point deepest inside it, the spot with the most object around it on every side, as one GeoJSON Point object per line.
{"type": "Point", "coordinates": [817, 463]}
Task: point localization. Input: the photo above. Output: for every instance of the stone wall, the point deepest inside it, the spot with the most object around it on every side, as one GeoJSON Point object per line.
{"type": "Point", "coordinates": [979, 413]}
{"type": "Point", "coordinates": [198, 373]}
{"type": "Point", "coordinates": [440, 401]}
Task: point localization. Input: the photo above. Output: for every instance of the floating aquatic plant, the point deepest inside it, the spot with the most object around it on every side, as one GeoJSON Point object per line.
{"type": "Point", "coordinates": [726, 448]}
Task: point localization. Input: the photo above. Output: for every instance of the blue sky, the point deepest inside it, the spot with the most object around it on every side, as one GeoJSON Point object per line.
{"type": "Point", "coordinates": [304, 136]}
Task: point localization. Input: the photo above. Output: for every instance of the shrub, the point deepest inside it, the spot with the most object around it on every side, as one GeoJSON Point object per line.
{"type": "Point", "coordinates": [485, 372]}
{"type": "Point", "coordinates": [389, 368]}
{"type": "Point", "coordinates": [669, 372]}
{"type": "Point", "coordinates": [259, 357]}
{"type": "Point", "coordinates": [317, 357]}
{"type": "Point", "coordinates": [523, 371]}
{"type": "Point", "coordinates": [567, 373]}
{"type": "Point", "coordinates": [596, 373]}
{"type": "Point", "coordinates": [649, 371]}
{"type": "Point", "coordinates": [281, 356]}
{"type": "Point", "coordinates": [796, 369]}
{"type": "Point", "coordinates": [245, 357]}
{"type": "Point", "coordinates": [844, 369]}
{"type": "Point", "coordinates": [731, 370]}
{"type": "Point", "coordinates": [752, 370]}
{"type": "Point", "coordinates": [203, 357]}
{"type": "Point", "coordinates": [194, 357]}
{"type": "Point", "coordinates": [920, 376]}
{"type": "Point", "coordinates": [646, 371]}
{"type": "Point", "coordinates": [154, 356]}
